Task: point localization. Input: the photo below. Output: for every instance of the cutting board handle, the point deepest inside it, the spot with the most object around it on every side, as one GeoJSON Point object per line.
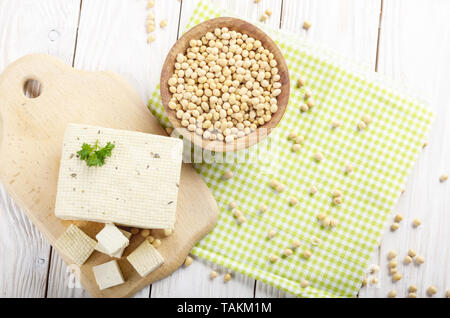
{"type": "Point", "coordinates": [42, 68]}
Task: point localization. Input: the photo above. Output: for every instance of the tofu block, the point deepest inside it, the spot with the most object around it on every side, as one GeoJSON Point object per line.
{"type": "Point", "coordinates": [108, 275]}
{"type": "Point", "coordinates": [75, 244]}
{"type": "Point", "coordinates": [111, 239]}
{"type": "Point", "coordinates": [145, 259]}
{"type": "Point", "coordinates": [137, 186]}
{"type": "Point", "coordinates": [118, 254]}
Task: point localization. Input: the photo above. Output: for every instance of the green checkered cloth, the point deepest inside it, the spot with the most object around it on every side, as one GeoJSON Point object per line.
{"type": "Point", "coordinates": [382, 155]}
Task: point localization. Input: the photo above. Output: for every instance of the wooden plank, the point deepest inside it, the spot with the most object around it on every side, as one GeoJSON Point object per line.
{"type": "Point", "coordinates": [62, 281]}
{"type": "Point", "coordinates": [112, 36]}
{"type": "Point", "coordinates": [349, 27]}
{"type": "Point", "coordinates": [194, 281]}
{"type": "Point", "coordinates": [179, 284]}
{"type": "Point", "coordinates": [244, 8]}
{"type": "Point", "coordinates": [414, 50]}
{"type": "Point", "coordinates": [24, 270]}
{"type": "Point", "coordinates": [47, 26]}
{"type": "Point", "coordinates": [119, 26]}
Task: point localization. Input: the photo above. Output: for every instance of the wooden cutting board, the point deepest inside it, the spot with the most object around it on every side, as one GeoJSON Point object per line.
{"type": "Point", "coordinates": [31, 134]}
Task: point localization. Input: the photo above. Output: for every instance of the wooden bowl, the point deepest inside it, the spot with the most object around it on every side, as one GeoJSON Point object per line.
{"type": "Point", "coordinates": [182, 45]}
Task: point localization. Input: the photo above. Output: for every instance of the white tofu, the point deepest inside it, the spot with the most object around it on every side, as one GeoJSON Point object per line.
{"type": "Point", "coordinates": [137, 186]}
{"type": "Point", "coordinates": [111, 239]}
{"type": "Point", "coordinates": [75, 244]}
{"type": "Point", "coordinates": [108, 275]}
{"type": "Point", "coordinates": [145, 259]}
{"type": "Point", "coordinates": [118, 254]}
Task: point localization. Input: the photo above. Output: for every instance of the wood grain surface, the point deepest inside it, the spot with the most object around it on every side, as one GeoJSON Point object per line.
{"type": "Point", "coordinates": [30, 28]}
{"type": "Point", "coordinates": [406, 39]}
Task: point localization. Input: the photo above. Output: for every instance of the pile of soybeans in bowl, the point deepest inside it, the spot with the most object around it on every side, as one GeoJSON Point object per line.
{"type": "Point", "coordinates": [224, 86]}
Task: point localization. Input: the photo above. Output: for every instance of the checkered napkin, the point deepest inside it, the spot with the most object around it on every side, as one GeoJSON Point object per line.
{"type": "Point", "coordinates": [382, 156]}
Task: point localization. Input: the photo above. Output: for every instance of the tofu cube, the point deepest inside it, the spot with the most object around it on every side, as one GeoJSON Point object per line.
{"type": "Point", "coordinates": [137, 186]}
{"type": "Point", "coordinates": [75, 244]}
{"type": "Point", "coordinates": [111, 239]}
{"type": "Point", "coordinates": [118, 254]}
{"type": "Point", "coordinates": [108, 275]}
{"type": "Point", "coordinates": [145, 259]}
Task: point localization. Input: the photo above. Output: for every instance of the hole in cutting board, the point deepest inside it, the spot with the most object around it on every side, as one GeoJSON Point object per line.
{"type": "Point", "coordinates": [32, 88]}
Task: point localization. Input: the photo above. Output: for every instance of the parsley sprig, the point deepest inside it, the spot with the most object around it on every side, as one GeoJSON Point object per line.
{"type": "Point", "coordinates": [95, 155]}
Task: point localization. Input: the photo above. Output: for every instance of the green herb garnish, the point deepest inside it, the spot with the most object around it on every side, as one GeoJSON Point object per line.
{"type": "Point", "coordinates": [95, 155]}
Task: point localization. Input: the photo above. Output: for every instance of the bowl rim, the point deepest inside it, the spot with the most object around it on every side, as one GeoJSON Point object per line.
{"type": "Point", "coordinates": [182, 44]}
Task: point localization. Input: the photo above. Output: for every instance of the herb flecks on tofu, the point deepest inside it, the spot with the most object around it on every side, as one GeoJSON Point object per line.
{"type": "Point", "coordinates": [95, 155]}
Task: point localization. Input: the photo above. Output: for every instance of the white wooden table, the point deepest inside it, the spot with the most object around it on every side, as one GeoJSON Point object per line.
{"type": "Point", "coordinates": [405, 39]}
